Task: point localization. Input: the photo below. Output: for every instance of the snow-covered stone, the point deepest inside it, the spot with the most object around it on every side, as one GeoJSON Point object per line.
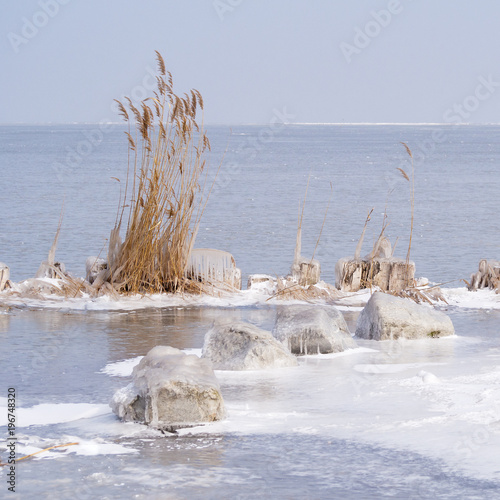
{"type": "Point", "coordinates": [262, 282]}
{"type": "Point", "coordinates": [4, 275]}
{"type": "Point", "coordinates": [243, 346]}
{"type": "Point", "coordinates": [170, 390]}
{"type": "Point", "coordinates": [94, 266]}
{"type": "Point", "coordinates": [311, 329]}
{"type": "Point", "coordinates": [306, 271]}
{"type": "Point", "coordinates": [214, 267]}
{"type": "Point", "coordinates": [386, 317]}
{"type": "Point", "coordinates": [488, 275]}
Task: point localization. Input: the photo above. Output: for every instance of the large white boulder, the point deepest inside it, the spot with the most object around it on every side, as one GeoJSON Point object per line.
{"type": "Point", "coordinates": [214, 267]}
{"type": "Point", "coordinates": [4, 275]}
{"type": "Point", "coordinates": [243, 346]}
{"type": "Point", "coordinates": [386, 317]}
{"type": "Point", "coordinates": [170, 390]}
{"type": "Point", "coordinates": [306, 329]}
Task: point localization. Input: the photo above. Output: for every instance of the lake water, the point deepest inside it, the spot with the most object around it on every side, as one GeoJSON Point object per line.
{"type": "Point", "coordinates": [366, 424]}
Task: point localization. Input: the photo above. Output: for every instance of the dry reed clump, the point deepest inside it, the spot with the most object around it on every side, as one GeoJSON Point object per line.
{"type": "Point", "coordinates": [380, 268]}
{"type": "Point", "coordinates": [289, 289]}
{"type": "Point", "coordinates": [487, 276]}
{"type": "Point", "coordinates": [421, 294]}
{"type": "Point", "coordinates": [167, 179]}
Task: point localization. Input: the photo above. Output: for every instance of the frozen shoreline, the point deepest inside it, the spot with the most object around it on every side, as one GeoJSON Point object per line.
{"type": "Point", "coordinates": [455, 297]}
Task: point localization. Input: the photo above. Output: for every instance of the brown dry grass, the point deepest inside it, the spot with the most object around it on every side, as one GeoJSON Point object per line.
{"type": "Point", "coordinates": [421, 295]}
{"type": "Point", "coordinates": [166, 180]}
{"type": "Point", "coordinates": [289, 289]}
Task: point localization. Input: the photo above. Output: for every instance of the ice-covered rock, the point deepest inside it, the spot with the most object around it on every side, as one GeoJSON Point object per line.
{"type": "Point", "coordinates": [428, 377]}
{"type": "Point", "coordinates": [390, 273]}
{"type": "Point", "coordinates": [306, 271]}
{"type": "Point", "coordinates": [93, 267]}
{"type": "Point", "coordinates": [386, 317]}
{"type": "Point", "coordinates": [52, 271]}
{"type": "Point", "coordinates": [311, 329]}
{"type": "Point", "coordinates": [243, 346]}
{"type": "Point", "coordinates": [488, 275]}
{"type": "Point", "coordinates": [170, 390]}
{"type": "Point", "coordinates": [263, 282]}
{"type": "Point", "coordinates": [4, 275]}
{"type": "Point", "coordinates": [214, 267]}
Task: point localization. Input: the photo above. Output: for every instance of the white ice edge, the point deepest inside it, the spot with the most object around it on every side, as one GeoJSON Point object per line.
{"type": "Point", "coordinates": [27, 445]}
{"type": "Point", "coordinates": [54, 413]}
{"type": "Point", "coordinates": [124, 367]}
{"type": "Point", "coordinates": [456, 297]}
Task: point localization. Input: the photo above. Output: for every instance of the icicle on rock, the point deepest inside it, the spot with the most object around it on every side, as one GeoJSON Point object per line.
{"type": "Point", "coordinates": [488, 275]}
{"type": "Point", "coordinates": [243, 346]}
{"type": "Point", "coordinates": [170, 390]}
{"type": "Point", "coordinates": [4, 276]}
{"type": "Point", "coordinates": [308, 329]}
{"type": "Point", "coordinates": [214, 267]}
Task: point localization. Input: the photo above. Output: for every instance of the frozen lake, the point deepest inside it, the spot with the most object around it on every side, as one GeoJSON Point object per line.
{"type": "Point", "coordinates": [414, 419]}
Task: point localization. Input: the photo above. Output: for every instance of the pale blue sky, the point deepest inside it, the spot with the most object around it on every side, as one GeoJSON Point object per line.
{"type": "Point", "coordinates": [430, 61]}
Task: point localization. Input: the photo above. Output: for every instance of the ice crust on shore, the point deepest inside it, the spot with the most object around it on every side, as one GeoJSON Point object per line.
{"type": "Point", "coordinates": [258, 295]}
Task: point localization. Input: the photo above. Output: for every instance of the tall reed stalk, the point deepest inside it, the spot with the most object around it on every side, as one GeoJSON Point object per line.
{"type": "Point", "coordinates": [412, 203]}
{"type": "Point", "coordinates": [164, 190]}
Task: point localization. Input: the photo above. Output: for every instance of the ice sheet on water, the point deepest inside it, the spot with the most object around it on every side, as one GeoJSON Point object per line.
{"type": "Point", "coordinates": [27, 445]}
{"type": "Point", "coordinates": [56, 413]}
{"type": "Point", "coordinates": [374, 368]}
{"type": "Point", "coordinates": [124, 368]}
{"type": "Point", "coordinates": [479, 299]}
{"type": "Point", "coordinates": [121, 368]}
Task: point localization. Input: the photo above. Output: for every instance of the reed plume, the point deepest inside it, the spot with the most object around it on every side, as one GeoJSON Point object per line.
{"type": "Point", "coordinates": [412, 184]}
{"type": "Point", "coordinates": [167, 194]}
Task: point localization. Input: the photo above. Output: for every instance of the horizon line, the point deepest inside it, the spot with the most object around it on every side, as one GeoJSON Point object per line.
{"type": "Point", "coordinates": [232, 124]}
